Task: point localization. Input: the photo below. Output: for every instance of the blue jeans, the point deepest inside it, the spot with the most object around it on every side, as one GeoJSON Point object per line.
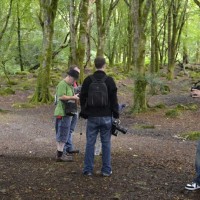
{"type": "Point", "coordinates": [69, 144]}
{"type": "Point", "coordinates": [197, 164]}
{"type": "Point", "coordinates": [94, 126]}
{"type": "Point", "coordinates": [62, 127]}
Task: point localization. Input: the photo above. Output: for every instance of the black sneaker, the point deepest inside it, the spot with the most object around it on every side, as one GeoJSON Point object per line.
{"type": "Point", "coordinates": [192, 186]}
{"type": "Point", "coordinates": [76, 151]}
{"type": "Point", "coordinates": [87, 173]}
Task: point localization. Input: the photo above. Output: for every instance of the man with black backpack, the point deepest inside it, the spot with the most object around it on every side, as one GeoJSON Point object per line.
{"type": "Point", "coordinates": [99, 104]}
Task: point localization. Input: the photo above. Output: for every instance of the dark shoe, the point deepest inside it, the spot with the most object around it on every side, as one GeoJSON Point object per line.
{"type": "Point", "coordinates": [66, 158]}
{"type": "Point", "coordinates": [76, 151]}
{"type": "Point", "coordinates": [60, 159]}
{"type": "Point", "coordinates": [87, 174]}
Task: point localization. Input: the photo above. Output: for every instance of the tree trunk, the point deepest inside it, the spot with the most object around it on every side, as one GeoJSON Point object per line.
{"type": "Point", "coordinates": [175, 26]}
{"type": "Point", "coordinates": [100, 29]}
{"type": "Point", "coordinates": [82, 37]}
{"type": "Point", "coordinates": [130, 43]}
{"type": "Point", "coordinates": [197, 2]}
{"type": "Point", "coordinates": [19, 37]}
{"type": "Point", "coordinates": [73, 34]}
{"type": "Point", "coordinates": [197, 60]}
{"type": "Point", "coordinates": [103, 22]}
{"type": "Point", "coordinates": [7, 20]}
{"type": "Point", "coordinates": [88, 38]}
{"type": "Point", "coordinates": [140, 11]}
{"type": "Point", "coordinates": [153, 38]}
{"type": "Point", "coordinates": [42, 93]}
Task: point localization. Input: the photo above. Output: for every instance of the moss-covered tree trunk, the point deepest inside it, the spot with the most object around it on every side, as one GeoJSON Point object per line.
{"type": "Point", "coordinates": [140, 11]}
{"type": "Point", "coordinates": [175, 26]}
{"type": "Point", "coordinates": [197, 56]}
{"type": "Point", "coordinates": [103, 22]}
{"type": "Point", "coordinates": [73, 34]}
{"type": "Point", "coordinates": [154, 41]}
{"type": "Point", "coordinates": [48, 12]}
{"type": "Point", "coordinates": [130, 43]}
{"type": "Point", "coordinates": [3, 29]}
{"type": "Point", "coordinates": [82, 42]}
{"type": "Point", "coordinates": [19, 37]}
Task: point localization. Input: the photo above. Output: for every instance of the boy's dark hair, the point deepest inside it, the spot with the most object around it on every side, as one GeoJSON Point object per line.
{"type": "Point", "coordinates": [99, 62]}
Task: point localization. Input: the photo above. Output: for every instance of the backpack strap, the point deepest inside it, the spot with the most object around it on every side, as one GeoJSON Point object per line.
{"type": "Point", "coordinates": [95, 80]}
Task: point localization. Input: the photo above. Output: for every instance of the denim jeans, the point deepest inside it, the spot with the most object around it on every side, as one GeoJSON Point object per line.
{"type": "Point", "coordinates": [62, 127]}
{"type": "Point", "coordinates": [197, 164]}
{"type": "Point", "coordinates": [103, 126]}
{"type": "Point", "coordinates": [69, 144]}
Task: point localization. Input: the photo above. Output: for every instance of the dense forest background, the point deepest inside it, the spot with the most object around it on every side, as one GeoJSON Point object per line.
{"type": "Point", "coordinates": [141, 39]}
{"type": "Point", "coordinates": [152, 49]}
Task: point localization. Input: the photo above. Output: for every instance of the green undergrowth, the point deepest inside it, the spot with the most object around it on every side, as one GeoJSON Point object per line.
{"type": "Point", "coordinates": [191, 106]}
{"type": "Point", "coordinates": [194, 75]}
{"type": "Point", "coordinates": [160, 106]}
{"type": "Point", "coordinates": [23, 105]}
{"type": "Point", "coordinates": [144, 126]}
{"type": "Point", "coordinates": [3, 111]}
{"type": "Point", "coordinates": [192, 135]}
{"type": "Point", "coordinates": [176, 112]}
{"type": "Point", "coordinates": [173, 113]}
{"type": "Point", "coordinates": [6, 91]}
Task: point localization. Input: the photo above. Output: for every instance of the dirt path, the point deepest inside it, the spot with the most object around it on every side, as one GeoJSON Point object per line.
{"type": "Point", "coordinates": [148, 163]}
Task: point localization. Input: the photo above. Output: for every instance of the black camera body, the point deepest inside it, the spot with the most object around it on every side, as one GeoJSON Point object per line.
{"type": "Point", "coordinates": [77, 89]}
{"type": "Point", "coordinates": [116, 128]}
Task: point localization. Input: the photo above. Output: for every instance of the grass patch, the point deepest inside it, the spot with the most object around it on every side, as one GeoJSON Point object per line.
{"type": "Point", "coordinates": [173, 113]}
{"type": "Point", "coordinates": [12, 83]}
{"type": "Point", "coordinates": [160, 106]}
{"type": "Point", "coordinates": [144, 126]}
{"type": "Point", "coordinates": [23, 105]}
{"type": "Point", "coordinates": [193, 135]}
{"type": "Point", "coordinates": [7, 91]}
{"type": "Point", "coordinates": [22, 73]}
{"type": "Point", "coordinates": [187, 107]}
{"type": "Point", "coordinates": [3, 111]}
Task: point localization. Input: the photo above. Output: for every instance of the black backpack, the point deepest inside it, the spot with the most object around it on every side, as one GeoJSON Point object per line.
{"type": "Point", "coordinates": [97, 93]}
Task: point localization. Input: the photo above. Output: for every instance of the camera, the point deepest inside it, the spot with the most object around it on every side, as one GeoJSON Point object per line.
{"type": "Point", "coordinates": [77, 89]}
{"type": "Point", "coordinates": [196, 86]}
{"type": "Point", "coordinates": [116, 128]}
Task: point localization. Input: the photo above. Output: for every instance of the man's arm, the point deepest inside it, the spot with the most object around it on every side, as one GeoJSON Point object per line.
{"type": "Point", "coordinates": [83, 96]}
{"type": "Point", "coordinates": [65, 98]}
{"type": "Point", "coordinates": [113, 99]}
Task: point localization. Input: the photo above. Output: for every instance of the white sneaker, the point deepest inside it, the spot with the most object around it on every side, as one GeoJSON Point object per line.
{"type": "Point", "coordinates": [192, 186]}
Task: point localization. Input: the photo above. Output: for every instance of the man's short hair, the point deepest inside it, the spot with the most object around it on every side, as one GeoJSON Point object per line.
{"type": "Point", "coordinates": [99, 62]}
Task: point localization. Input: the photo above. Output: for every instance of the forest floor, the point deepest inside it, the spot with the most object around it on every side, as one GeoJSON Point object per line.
{"type": "Point", "coordinates": [150, 162]}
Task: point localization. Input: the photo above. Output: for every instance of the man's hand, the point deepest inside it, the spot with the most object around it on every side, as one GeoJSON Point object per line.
{"type": "Point", "coordinates": [195, 93]}
{"type": "Point", "coordinates": [76, 97]}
